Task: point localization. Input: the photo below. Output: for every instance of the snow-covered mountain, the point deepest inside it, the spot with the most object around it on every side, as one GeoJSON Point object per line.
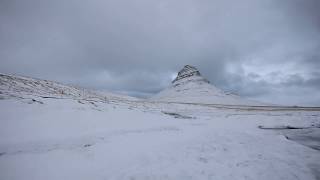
{"type": "Point", "coordinates": [190, 87]}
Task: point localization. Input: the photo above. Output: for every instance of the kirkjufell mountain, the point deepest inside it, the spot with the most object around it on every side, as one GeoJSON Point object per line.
{"type": "Point", "coordinates": [191, 87]}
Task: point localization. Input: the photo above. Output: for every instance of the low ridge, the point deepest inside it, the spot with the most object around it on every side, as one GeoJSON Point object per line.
{"type": "Point", "coordinates": [20, 87]}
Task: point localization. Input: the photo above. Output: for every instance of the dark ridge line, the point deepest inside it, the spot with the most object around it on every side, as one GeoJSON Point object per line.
{"type": "Point", "coordinates": [248, 107]}
{"type": "Point", "coordinates": [286, 127]}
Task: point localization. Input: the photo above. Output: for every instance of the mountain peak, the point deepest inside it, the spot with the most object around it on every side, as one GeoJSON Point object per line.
{"type": "Point", "coordinates": [187, 72]}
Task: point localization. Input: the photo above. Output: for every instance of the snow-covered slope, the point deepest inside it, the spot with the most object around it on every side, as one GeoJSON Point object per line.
{"type": "Point", "coordinates": [23, 87]}
{"type": "Point", "coordinates": [53, 131]}
{"type": "Point", "coordinates": [190, 87]}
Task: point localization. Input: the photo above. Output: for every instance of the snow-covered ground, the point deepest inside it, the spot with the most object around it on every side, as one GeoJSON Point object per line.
{"type": "Point", "coordinates": [76, 136]}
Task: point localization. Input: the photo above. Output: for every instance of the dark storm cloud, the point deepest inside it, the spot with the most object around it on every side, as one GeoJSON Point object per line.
{"type": "Point", "coordinates": [266, 50]}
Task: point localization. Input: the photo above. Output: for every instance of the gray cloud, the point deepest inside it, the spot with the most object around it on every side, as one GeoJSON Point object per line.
{"type": "Point", "coordinates": [266, 50]}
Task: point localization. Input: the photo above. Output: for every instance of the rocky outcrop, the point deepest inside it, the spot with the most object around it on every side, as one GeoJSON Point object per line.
{"type": "Point", "coordinates": [188, 73]}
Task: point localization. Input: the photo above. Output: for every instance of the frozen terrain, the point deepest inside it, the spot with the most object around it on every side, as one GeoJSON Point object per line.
{"type": "Point", "coordinates": [54, 131]}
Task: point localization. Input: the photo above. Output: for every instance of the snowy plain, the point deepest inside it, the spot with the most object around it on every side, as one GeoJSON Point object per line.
{"type": "Point", "coordinates": [74, 135]}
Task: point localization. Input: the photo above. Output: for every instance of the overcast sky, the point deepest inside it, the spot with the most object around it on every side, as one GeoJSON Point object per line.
{"type": "Point", "coordinates": [267, 50]}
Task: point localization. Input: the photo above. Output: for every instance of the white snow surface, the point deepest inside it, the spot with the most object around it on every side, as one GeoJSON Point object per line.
{"type": "Point", "coordinates": [48, 135]}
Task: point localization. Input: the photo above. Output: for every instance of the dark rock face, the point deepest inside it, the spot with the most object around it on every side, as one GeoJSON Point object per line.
{"type": "Point", "coordinates": [186, 72]}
